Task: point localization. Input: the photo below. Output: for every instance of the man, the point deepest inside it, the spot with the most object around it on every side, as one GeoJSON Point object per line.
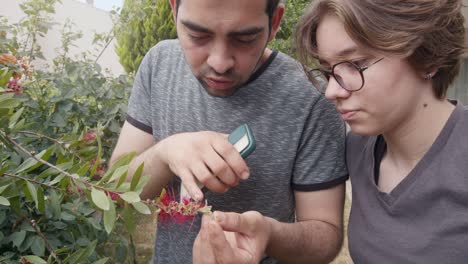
{"type": "Point", "coordinates": [189, 93]}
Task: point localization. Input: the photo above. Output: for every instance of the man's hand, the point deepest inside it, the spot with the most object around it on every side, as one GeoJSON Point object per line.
{"type": "Point", "coordinates": [232, 238]}
{"type": "Point", "coordinates": [204, 156]}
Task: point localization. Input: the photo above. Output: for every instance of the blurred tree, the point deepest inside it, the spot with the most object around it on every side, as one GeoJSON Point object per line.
{"type": "Point", "coordinates": [285, 38]}
{"type": "Point", "coordinates": [143, 23]}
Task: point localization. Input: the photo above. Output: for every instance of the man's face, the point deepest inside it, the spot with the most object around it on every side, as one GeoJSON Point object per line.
{"type": "Point", "coordinates": [223, 41]}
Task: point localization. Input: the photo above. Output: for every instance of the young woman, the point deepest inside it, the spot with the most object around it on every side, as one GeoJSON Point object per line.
{"type": "Point", "coordinates": [387, 65]}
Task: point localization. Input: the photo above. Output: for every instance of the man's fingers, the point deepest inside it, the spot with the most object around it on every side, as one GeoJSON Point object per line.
{"type": "Point", "coordinates": [221, 169]}
{"type": "Point", "coordinates": [202, 250]}
{"type": "Point", "coordinates": [204, 175]}
{"type": "Point", "coordinates": [232, 157]}
{"type": "Point", "coordinates": [245, 223]}
{"type": "Point", "coordinates": [221, 247]}
{"type": "Point", "coordinates": [191, 187]}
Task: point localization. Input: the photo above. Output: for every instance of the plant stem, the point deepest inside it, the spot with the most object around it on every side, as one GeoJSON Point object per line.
{"type": "Point", "coordinates": [104, 49]}
{"type": "Point", "coordinates": [30, 180]}
{"type": "Point", "coordinates": [49, 246]}
{"type": "Point", "coordinates": [61, 144]}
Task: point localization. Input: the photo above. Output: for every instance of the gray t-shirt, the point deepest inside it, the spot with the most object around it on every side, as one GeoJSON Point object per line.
{"type": "Point", "coordinates": [424, 219]}
{"type": "Point", "coordinates": [300, 137]}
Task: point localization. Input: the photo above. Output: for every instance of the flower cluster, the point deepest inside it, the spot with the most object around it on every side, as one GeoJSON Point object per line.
{"type": "Point", "coordinates": [179, 212]}
{"type": "Point", "coordinates": [15, 86]}
{"type": "Point", "coordinates": [18, 67]}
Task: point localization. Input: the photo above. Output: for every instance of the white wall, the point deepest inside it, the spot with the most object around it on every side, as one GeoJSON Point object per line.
{"type": "Point", "coordinates": [86, 18]}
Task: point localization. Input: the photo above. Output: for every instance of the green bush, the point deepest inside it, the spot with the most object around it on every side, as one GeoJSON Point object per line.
{"type": "Point", "coordinates": [58, 201]}
{"type": "Point", "coordinates": [143, 23]}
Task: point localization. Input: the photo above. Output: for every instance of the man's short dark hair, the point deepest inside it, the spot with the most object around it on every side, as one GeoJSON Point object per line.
{"type": "Point", "coordinates": [270, 8]}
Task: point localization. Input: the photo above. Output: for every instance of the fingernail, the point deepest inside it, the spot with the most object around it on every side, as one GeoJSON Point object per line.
{"type": "Point", "coordinates": [219, 217]}
{"type": "Point", "coordinates": [198, 196]}
{"type": "Point", "coordinates": [245, 175]}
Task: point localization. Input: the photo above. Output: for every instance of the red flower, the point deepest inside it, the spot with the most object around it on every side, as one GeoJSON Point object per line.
{"type": "Point", "coordinates": [15, 86]}
{"type": "Point", "coordinates": [89, 136]}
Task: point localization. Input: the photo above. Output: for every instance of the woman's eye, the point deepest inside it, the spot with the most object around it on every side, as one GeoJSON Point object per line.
{"type": "Point", "coordinates": [360, 63]}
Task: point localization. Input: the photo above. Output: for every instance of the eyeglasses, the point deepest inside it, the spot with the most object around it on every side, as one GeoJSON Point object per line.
{"type": "Point", "coordinates": [348, 75]}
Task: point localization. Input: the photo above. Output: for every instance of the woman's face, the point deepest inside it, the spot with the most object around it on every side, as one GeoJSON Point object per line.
{"type": "Point", "coordinates": [391, 88]}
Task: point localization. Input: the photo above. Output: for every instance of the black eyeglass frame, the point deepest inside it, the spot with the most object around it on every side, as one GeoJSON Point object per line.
{"type": "Point", "coordinates": [327, 74]}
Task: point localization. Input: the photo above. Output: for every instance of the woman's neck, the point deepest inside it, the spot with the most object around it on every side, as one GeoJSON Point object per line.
{"type": "Point", "coordinates": [408, 143]}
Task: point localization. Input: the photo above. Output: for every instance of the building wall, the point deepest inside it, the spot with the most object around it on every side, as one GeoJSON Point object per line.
{"type": "Point", "coordinates": [86, 18]}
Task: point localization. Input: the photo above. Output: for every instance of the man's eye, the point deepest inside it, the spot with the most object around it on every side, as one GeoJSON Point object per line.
{"type": "Point", "coordinates": [246, 40]}
{"type": "Point", "coordinates": [197, 37]}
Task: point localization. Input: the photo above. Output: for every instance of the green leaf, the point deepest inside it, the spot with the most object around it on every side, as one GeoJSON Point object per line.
{"type": "Point", "coordinates": [3, 188]}
{"type": "Point", "coordinates": [89, 250]}
{"type": "Point", "coordinates": [110, 217]}
{"type": "Point", "coordinates": [6, 96]}
{"type": "Point", "coordinates": [5, 77]}
{"type": "Point", "coordinates": [31, 163]}
{"type": "Point", "coordinates": [119, 172]}
{"type": "Point", "coordinates": [130, 197]}
{"type": "Point", "coordinates": [52, 171]}
{"type": "Point", "coordinates": [9, 103]}
{"type": "Point", "coordinates": [14, 118]}
{"type": "Point", "coordinates": [124, 160]}
{"type": "Point", "coordinates": [35, 259]}
{"type": "Point", "coordinates": [129, 220]}
{"type": "Point", "coordinates": [18, 237]}
{"type": "Point", "coordinates": [40, 200]}
{"type": "Point", "coordinates": [100, 199]}
{"type": "Point", "coordinates": [83, 169]}
{"type": "Point", "coordinates": [136, 177]}
{"type": "Point", "coordinates": [56, 179]}
{"type": "Point", "coordinates": [4, 201]}
{"type": "Point", "coordinates": [142, 208]}
{"type": "Point", "coordinates": [101, 261]}
{"type": "Point", "coordinates": [32, 190]}
{"type": "Point", "coordinates": [38, 246]}
{"type": "Point", "coordinates": [98, 157]}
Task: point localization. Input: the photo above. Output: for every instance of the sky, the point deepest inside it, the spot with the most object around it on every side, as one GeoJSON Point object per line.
{"type": "Point", "coordinates": [106, 4]}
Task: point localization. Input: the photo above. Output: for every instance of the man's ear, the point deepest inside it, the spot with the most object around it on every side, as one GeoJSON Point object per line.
{"type": "Point", "coordinates": [174, 9]}
{"type": "Point", "coordinates": [276, 21]}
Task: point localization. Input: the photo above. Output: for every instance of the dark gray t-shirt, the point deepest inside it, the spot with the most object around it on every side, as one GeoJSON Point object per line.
{"type": "Point", "coordinates": [299, 135]}
{"type": "Point", "coordinates": [424, 219]}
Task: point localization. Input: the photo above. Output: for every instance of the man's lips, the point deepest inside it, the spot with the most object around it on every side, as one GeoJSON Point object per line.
{"type": "Point", "coordinates": [219, 84]}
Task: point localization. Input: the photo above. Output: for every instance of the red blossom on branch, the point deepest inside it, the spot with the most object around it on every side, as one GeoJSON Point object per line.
{"type": "Point", "coordinates": [15, 86]}
{"type": "Point", "coordinates": [90, 136]}
{"type": "Point", "coordinates": [178, 212]}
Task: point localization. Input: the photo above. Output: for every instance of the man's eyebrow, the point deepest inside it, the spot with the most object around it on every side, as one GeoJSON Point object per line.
{"type": "Point", "coordinates": [195, 27]}
{"type": "Point", "coordinates": [247, 31]}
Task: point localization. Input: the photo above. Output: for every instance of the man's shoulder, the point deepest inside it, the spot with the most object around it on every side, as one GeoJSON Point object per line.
{"type": "Point", "coordinates": [357, 143]}
{"type": "Point", "coordinates": [167, 47]}
{"type": "Point", "coordinates": [165, 52]}
{"type": "Point", "coordinates": [288, 75]}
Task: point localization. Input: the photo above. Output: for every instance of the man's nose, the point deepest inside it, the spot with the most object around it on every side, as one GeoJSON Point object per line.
{"type": "Point", "coordinates": [221, 58]}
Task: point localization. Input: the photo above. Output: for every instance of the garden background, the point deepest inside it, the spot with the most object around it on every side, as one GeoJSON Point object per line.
{"type": "Point", "coordinates": [64, 86]}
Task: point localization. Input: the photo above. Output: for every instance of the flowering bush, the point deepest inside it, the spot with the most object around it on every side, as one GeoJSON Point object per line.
{"type": "Point", "coordinates": [58, 201]}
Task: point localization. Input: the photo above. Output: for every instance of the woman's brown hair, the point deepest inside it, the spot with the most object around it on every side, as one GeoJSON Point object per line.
{"type": "Point", "coordinates": [429, 33]}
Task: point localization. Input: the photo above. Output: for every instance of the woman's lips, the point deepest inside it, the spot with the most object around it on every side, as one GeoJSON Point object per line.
{"type": "Point", "coordinates": [347, 115]}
